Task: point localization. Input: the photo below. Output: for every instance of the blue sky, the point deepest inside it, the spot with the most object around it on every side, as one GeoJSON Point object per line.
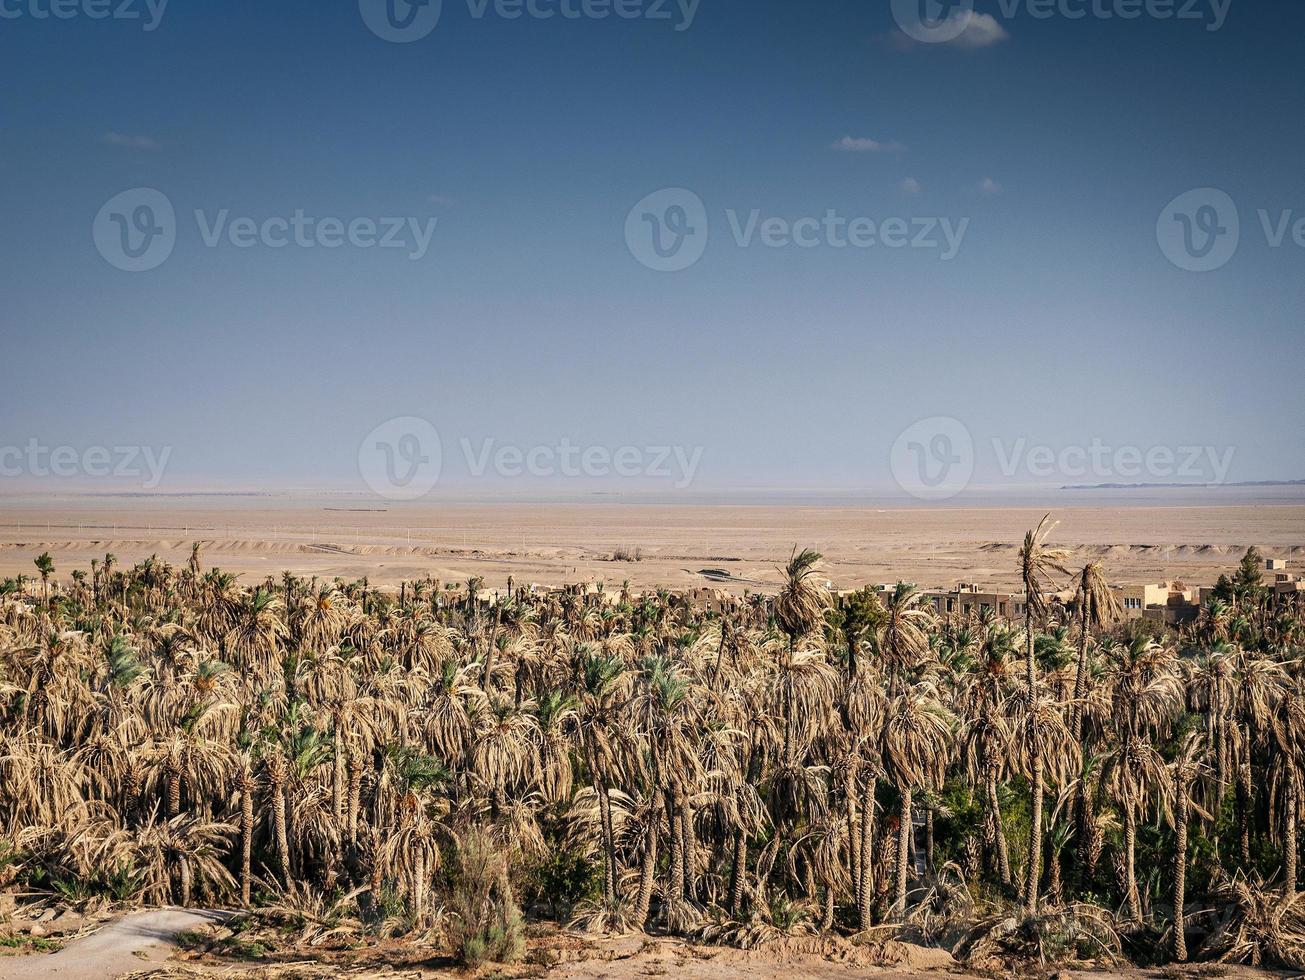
{"type": "Point", "coordinates": [1059, 320]}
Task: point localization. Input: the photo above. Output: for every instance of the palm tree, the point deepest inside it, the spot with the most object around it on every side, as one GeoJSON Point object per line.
{"type": "Point", "coordinates": [801, 603]}
{"type": "Point", "coordinates": [1188, 766]}
{"type": "Point", "coordinates": [45, 565]}
{"type": "Point", "coordinates": [1145, 696]}
{"type": "Point", "coordinates": [917, 741]}
{"type": "Point", "coordinates": [1036, 562]}
{"type": "Point", "coordinates": [1098, 607]}
{"type": "Point", "coordinates": [904, 637]}
{"type": "Point", "coordinates": [598, 682]}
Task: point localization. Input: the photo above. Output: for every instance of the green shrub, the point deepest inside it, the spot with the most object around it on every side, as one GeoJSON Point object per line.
{"type": "Point", "coordinates": [486, 923]}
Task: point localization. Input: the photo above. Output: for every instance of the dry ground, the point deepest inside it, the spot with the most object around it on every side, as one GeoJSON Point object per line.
{"type": "Point", "coordinates": [553, 543]}
{"type": "Point", "coordinates": [145, 944]}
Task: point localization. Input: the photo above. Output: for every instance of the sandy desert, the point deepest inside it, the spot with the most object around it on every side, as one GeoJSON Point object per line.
{"type": "Point", "coordinates": [1138, 538]}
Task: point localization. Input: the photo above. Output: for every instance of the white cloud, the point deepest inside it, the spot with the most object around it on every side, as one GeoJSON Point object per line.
{"type": "Point", "coordinates": [131, 142]}
{"type": "Point", "coordinates": [989, 187]}
{"type": "Point", "coordinates": [863, 144]}
{"type": "Point", "coordinates": [910, 186]}
{"type": "Point", "coordinates": [964, 28]}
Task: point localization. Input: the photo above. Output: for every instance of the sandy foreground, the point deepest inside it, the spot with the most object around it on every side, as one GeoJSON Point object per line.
{"type": "Point", "coordinates": [551, 543]}
{"type": "Point", "coordinates": [154, 944]}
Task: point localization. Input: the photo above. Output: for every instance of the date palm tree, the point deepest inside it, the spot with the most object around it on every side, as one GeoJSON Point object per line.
{"type": "Point", "coordinates": [45, 565]}
{"type": "Point", "coordinates": [916, 745]}
{"type": "Point", "coordinates": [1187, 768]}
{"type": "Point", "coordinates": [1036, 563]}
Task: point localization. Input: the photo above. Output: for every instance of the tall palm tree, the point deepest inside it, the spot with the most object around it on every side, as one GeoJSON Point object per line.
{"type": "Point", "coordinates": [1188, 767]}
{"type": "Point", "coordinates": [801, 603]}
{"type": "Point", "coordinates": [1036, 563]}
{"type": "Point", "coordinates": [45, 565]}
{"type": "Point", "coordinates": [916, 744]}
{"type": "Point", "coordinates": [1098, 607]}
{"type": "Point", "coordinates": [1145, 695]}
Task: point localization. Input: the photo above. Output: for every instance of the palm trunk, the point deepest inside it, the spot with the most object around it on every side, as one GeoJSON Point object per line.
{"type": "Point", "coordinates": [928, 839]}
{"type": "Point", "coordinates": [174, 790]}
{"type": "Point", "coordinates": [1035, 763]}
{"type": "Point", "coordinates": [246, 834]}
{"type": "Point", "coordinates": [605, 819]}
{"type": "Point", "coordinates": [609, 844]}
{"type": "Point", "coordinates": [184, 871]}
{"type": "Point", "coordinates": [1035, 837]}
{"type": "Point", "coordinates": [648, 870]}
{"type": "Point", "coordinates": [903, 855]}
{"type": "Point", "coordinates": [996, 829]}
{"type": "Point", "coordinates": [1180, 870]}
{"type": "Point", "coordinates": [1246, 803]}
{"type": "Point", "coordinates": [279, 826]}
{"type": "Point", "coordinates": [1130, 864]}
{"type": "Point", "coordinates": [687, 852]}
{"type": "Point", "coordinates": [867, 880]}
{"type": "Point", "coordinates": [677, 850]}
{"type": "Point", "coordinates": [1080, 678]}
{"type": "Point", "coordinates": [853, 838]}
{"type": "Point", "coordinates": [738, 875]}
{"type": "Point", "coordinates": [1289, 843]}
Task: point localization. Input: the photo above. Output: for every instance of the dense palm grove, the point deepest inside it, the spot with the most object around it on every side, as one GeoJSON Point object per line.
{"type": "Point", "coordinates": [435, 763]}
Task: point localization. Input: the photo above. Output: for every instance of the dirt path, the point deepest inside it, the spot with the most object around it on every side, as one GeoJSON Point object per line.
{"type": "Point", "coordinates": [128, 945]}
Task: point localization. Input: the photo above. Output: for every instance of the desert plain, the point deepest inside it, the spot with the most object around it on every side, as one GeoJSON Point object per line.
{"type": "Point", "coordinates": [1155, 536]}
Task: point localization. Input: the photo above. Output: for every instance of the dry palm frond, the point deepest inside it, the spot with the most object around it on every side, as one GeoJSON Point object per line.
{"type": "Point", "coordinates": [600, 918]}
{"type": "Point", "coordinates": [1257, 926]}
{"type": "Point", "coordinates": [776, 917]}
{"type": "Point", "coordinates": [1075, 933]}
